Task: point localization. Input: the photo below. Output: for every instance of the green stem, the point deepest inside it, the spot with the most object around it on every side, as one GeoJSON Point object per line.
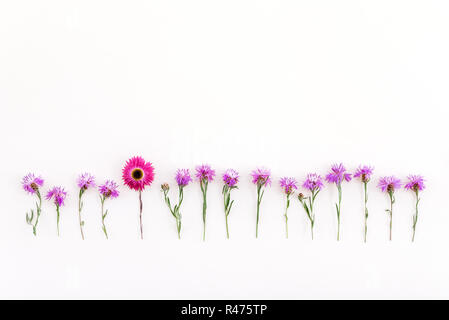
{"type": "Point", "coordinates": [259, 199]}
{"type": "Point", "coordinates": [415, 217]}
{"type": "Point", "coordinates": [103, 216]}
{"type": "Point", "coordinates": [140, 215]}
{"type": "Point", "coordinates": [80, 205]}
{"type": "Point", "coordinates": [285, 215]}
{"type": "Point", "coordinates": [365, 187]}
{"type": "Point", "coordinates": [338, 210]}
{"type": "Point", "coordinates": [390, 193]}
{"type": "Point", "coordinates": [203, 184]}
{"type": "Point", "coordinates": [57, 219]}
{"type": "Point", "coordinates": [38, 212]}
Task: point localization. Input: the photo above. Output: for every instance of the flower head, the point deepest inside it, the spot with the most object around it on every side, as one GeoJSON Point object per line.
{"type": "Point", "coordinates": [205, 172]}
{"type": "Point", "coordinates": [288, 184]}
{"type": "Point", "coordinates": [415, 183]}
{"type": "Point", "coordinates": [338, 174]}
{"type": "Point", "coordinates": [137, 173]}
{"type": "Point", "coordinates": [231, 178]}
{"type": "Point", "coordinates": [364, 172]}
{"type": "Point", "coordinates": [313, 182]}
{"type": "Point", "coordinates": [109, 189]}
{"type": "Point", "coordinates": [389, 184]}
{"type": "Point", "coordinates": [261, 176]}
{"type": "Point", "coordinates": [31, 183]}
{"type": "Point", "coordinates": [86, 181]}
{"type": "Point", "coordinates": [57, 194]}
{"type": "Point", "coordinates": [183, 177]}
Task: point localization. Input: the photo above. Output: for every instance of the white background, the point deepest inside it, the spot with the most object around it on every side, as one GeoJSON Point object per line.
{"type": "Point", "coordinates": [291, 85]}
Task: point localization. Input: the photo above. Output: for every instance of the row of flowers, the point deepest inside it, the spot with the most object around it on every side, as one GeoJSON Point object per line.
{"type": "Point", "coordinates": [138, 174]}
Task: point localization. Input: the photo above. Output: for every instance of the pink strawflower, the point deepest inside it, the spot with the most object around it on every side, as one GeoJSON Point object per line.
{"type": "Point", "coordinates": [261, 176]}
{"type": "Point", "coordinates": [338, 174]}
{"type": "Point", "coordinates": [31, 183]}
{"type": "Point", "coordinates": [109, 189]}
{"type": "Point", "coordinates": [288, 184]}
{"type": "Point", "coordinates": [415, 183]}
{"type": "Point", "coordinates": [389, 184]}
{"type": "Point", "coordinates": [313, 182]}
{"type": "Point", "coordinates": [58, 195]}
{"type": "Point", "coordinates": [137, 173]}
{"type": "Point", "coordinates": [183, 177]}
{"type": "Point", "coordinates": [86, 181]}
{"type": "Point", "coordinates": [205, 172]}
{"type": "Point", "coordinates": [231, 178]}
{"type": "Point", "coordinates": [364, 172]}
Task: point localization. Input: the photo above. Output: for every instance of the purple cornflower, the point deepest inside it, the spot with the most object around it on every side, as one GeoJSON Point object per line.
{"type": "Point", "coordinates": [86, 181]}
{"type": "Point", "coordinates": [415, 183]}
{"type": "Point", "coordinates": [364, 172]}
{"type": "Point", "coordinates": [261, 176]}
{"type": "Point", "coordinates": [288, 184]}
{"type": "Point", "coordinates": [338, 174]}
{"type": "Point", "coordinates": [313, 182]}
{"type": "Point", "coordinates": [205, 172]}
{"type": "Point", "coordinates": [58, 195]}
{"type": "Point", "coordinates": [109, 189]}
{"type": "Point", "coordinates": [31, 183]}
{"type": "Point", "coordinates": [183, 177]}
{"type": "Point", "coordinates": [389, 184]}
{"type": "Point", "coordinates": [231, 178]}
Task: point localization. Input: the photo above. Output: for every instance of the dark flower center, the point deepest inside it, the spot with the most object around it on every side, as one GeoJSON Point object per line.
{"type": "Point", "coordinates": [34, 186]}
{"type": "Point", "coordinates": [390, 188]}
{"type": "Point", "coordinates": [137, 174]}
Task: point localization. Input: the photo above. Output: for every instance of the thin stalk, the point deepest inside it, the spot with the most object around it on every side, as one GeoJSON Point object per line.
{"type": "Point", "coordinates": [203, 185]}
{"type": "Point", "coordinates": [80, 206]}
{"type": "Point", "coordinates": [365, 187]}
{"type": "Point", "coordinates": [57, 219]}
{"type": "Point", "coordinates": [415, 217]}
{"type": "Point", "coordinates": [285, 215]}
{"type": "Point", "coordinates": [259, 199]}
{"type": "Point", "coordinates": [103, 216]}
{"type": "Point", "coordinates": [38, 212]}
{"type": "Point", "coordinates": [338, 211]}
{"type": "Point", "coordinates": [140, 215]}
{"type": "Point", "coordinates": [390, 193]}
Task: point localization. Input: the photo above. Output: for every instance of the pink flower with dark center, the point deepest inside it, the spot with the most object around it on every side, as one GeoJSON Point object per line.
{"type": "Point", "coordinates": [261, 176]}
{"type": "Point", "coordinates": [313, 182]}
{"type": "Point", "coordinates": [109, 189]}
{"type": "Point", "coordinates": [389, 184]}
{"type": "Point", "coordinates": [415, 183]}
{"type": "Point", "coordinates": [231, 178]}
{"type": "Point", "coordinates": [31, 183]}
{"type": "Point", "coordinates": [288, 184]}
{"type": "Point", "coordinates": [86, 181]}
{"type": "Point", "coordinates": [364, 173]}
{"type": "Point", "coordinates": [338, 174]}
{"type": "Point", "coordinates": [205, 173]}
{"type": "Point", "coordinates": [183, 177]}
{"type": "Point", "coordinates": [58, 195]}
{"type": "Point", "coordinates": [137, 174]}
